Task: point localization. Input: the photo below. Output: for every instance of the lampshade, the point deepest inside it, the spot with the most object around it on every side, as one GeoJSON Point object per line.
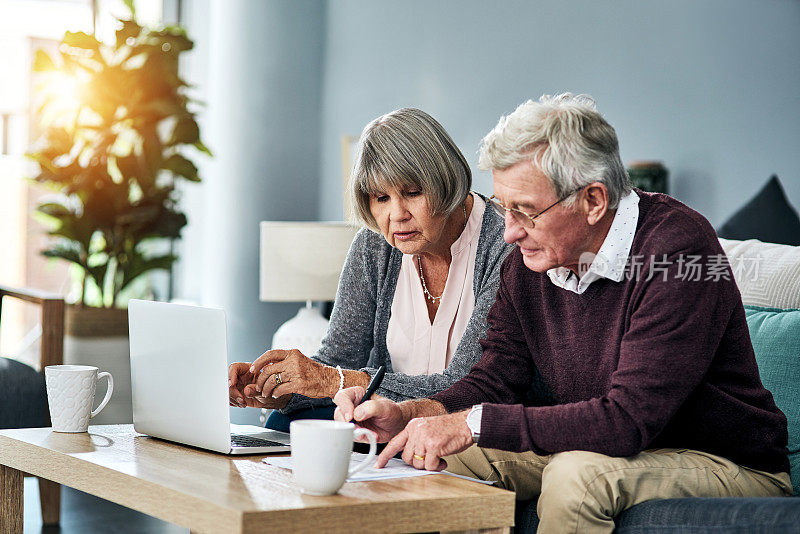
{"type": "Point", "coordinates": [302, 261]}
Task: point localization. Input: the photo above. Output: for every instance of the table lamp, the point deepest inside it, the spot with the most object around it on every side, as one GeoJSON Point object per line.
{"type": "Point", "coordinates": [302, 261]}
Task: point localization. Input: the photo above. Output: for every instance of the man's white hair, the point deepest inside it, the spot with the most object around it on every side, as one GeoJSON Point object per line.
{"type": "Point", "coordinates": [567, 138]}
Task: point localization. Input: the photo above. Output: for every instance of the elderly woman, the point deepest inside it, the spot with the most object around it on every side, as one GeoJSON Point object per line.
{"type": "Point", "coordinates": [415, 289]}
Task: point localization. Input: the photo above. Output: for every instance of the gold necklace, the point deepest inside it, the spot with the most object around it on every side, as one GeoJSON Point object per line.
{"type": "Point", "coordinates": [425, 286]}
{"type": "Point", "coordinates": [428, 294]}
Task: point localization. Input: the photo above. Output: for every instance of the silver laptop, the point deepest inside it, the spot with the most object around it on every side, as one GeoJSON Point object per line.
{"type": "Point", "coordinates": [179, 379]}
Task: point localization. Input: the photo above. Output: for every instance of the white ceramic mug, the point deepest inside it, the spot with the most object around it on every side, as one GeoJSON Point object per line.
{"type": "Point", "coordinates": [70, 394]}
{"type": "Point", "coordinates": [321, 452]}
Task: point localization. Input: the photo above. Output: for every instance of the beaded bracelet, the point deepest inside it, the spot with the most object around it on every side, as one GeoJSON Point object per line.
{"type": "Point", "coordinates": [341, 378]}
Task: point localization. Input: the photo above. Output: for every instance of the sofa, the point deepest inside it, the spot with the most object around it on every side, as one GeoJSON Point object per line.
{"type": "Point", "coordinates": [768, 277]}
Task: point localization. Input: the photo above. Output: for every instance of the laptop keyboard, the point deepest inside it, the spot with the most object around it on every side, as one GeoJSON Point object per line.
{"type": "Point", "coordinates": [239, 440]}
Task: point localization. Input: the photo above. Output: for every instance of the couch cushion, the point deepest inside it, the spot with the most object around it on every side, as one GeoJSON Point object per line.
{"type": "Point", "coordinates": [768, 216]}
{"type": "Point", "coordinates": [695, 514]}
{"type": "Point", "coordinates": [729, 515]}
{"type": "Point", "coordinates": [23, 398]}
{"type": "Point", "coordinates": [767, 275]}
{"type": "Point", "coordinates": [776, 340]}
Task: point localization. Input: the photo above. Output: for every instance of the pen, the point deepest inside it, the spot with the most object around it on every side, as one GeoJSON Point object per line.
{"type": "Point", "coordinates": [374, 384]}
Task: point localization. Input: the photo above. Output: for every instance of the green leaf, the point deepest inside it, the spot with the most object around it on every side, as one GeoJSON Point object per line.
{"type": "Point", "coordinates": [151, 157]}
{"type": "Point", "coordinates": [81, 40]}
{"type": "Point", "coordinates": [131, 168]}
{"type": "Point", "coordinates": [42, 62]}
{"type": "Point", "coordinates": [139, 265]}
{"type": "Point", "coordinates": [182, 167]}
{"type": "Point", "coordinates": [152, 219]}
{"type": "Point", "coordinates": [140, 216]}
{"type": "Point", "coordinates": [186, 131]}
{"type": "Point", "coordinates": [55, 142]}
{"type": "Point", "coordinates": [175, 39]}
{"type": "Point", "coordinates": [66, 250]}
{"type": "Point", "coordinates": [162, 108]}
{"type": "Point", "coordinates": [131, 7]}
{"type": "Point", "coordinates": [71, 252]}
{"type": "Point", "coordinates": [203, 148]}
{"type": "Point", "coordinates": [71, 227]}
{"type": "Point", "coordinates": [108, 93]}
{"type": "Point", "coordinates": [129, 29]}
{"type": "Point", "coordinates": [45, 164]}
{"type": "Point", "coordinates": [102, 203]}
{"type": "Point", "coordinates": [55, 209]}
{"type": "Point", "coordinates": [98, 274]}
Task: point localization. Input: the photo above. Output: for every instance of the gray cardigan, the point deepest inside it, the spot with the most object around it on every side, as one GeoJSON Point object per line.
{"type": "Point", "coordinates": [356, 337]}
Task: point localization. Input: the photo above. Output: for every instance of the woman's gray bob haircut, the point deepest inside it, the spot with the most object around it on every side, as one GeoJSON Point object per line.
{"type": "Point", "coordinates": [567, 138]}
{"type": "Point", "coordinates": [408, 148]}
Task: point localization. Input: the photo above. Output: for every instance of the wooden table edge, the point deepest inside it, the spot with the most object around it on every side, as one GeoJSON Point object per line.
{"type": "Point", "coordinates": [182, 511]}
{"type": "Point", "coordinates": [213, 518]}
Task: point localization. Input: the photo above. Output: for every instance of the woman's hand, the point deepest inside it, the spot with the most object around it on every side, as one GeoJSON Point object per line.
{"type": "Point", "coordinates": [241, 390]}
{"type": "Point", "coordinates": [281, 372]}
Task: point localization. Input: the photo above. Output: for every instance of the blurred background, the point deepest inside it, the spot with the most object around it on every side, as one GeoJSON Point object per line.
{"type": "Point", "coordinates": [707, 87]}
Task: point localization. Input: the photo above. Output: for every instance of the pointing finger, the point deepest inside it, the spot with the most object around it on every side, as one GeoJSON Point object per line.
{"type": "Point", "coordinates": [394, 446]}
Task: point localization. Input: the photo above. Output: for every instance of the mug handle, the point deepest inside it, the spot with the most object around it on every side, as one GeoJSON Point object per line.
{"type": "Point", "coordinates": [108, 392]}
{"type": "Point", "coordinates": [373, 447]}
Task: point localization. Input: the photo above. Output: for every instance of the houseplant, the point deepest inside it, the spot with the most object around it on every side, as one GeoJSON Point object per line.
{"type": "Point", "coordinates": [116, 120]}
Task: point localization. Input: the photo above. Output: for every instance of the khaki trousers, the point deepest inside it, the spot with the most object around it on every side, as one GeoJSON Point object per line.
{"type": "Point", "coordinates": [581, 491]}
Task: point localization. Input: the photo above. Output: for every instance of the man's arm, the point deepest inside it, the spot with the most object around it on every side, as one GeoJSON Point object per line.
{"type": "Point", "coordinates": [666, 351]}
{"type": "Point", "coordinates": [505, 372]}
{"type": "Point", "coordinates": [421, 408]}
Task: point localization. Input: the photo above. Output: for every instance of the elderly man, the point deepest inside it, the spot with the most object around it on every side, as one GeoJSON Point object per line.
{"type": "Point", "coordinates": [617, 367]}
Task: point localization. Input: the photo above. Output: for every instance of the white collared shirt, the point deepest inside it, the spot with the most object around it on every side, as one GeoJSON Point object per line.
{"type": "Point", "coordinates": [613, 255]}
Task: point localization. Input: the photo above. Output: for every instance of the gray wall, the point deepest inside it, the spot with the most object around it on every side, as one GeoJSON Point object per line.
{"type": "Point", "coordinates": [258, 67]}
{"type": "Point", "coordinates": [710, 87]}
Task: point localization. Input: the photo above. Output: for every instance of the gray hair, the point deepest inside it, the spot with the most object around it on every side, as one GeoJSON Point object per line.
{"type": "Point", "coordinates": [567, 138]}
{"type": "Point", "coordinates": [408, 148]}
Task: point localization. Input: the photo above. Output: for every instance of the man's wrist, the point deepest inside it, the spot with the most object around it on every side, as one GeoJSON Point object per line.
{"type": "Point", "coordinates": [474, 421]}
{"type": "Point", "coordinates": [414, 408]}
{"type": "Point", "coordinates": [407, 410]}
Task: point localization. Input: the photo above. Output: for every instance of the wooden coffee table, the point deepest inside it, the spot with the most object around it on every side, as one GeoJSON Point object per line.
{"type": "Point", "coordinates": [209, 492]}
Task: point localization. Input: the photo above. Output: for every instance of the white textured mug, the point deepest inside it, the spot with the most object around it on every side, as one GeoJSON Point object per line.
{"type": "Point", "coordinates": [70, 394]}
{"type": "Point", "coordinates": [321, 452]}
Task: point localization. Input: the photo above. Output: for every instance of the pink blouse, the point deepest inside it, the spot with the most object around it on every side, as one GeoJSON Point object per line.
{"type": "Point", "coordinates": [416, 346]}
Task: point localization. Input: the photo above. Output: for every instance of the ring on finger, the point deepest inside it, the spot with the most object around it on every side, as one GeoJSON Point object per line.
{"type": "Point", "coordinates": [278, 378]}
{"type": "Point", "coordinates": [418, 457]}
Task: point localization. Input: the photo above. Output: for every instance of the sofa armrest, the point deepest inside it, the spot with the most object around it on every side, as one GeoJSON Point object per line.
{"type": "Point", "coordinates": [52, 320]}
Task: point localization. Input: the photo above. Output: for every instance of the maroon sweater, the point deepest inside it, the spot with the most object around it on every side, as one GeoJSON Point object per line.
{"type": "Point", "coordinates": [631, 365]}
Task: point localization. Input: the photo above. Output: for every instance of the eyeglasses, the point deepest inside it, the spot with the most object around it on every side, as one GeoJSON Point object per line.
{"type": "Point", "coordinates": [525, 219]}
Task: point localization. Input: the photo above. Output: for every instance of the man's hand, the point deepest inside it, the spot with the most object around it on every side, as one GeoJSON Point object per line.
{"type": "Point", "coordinates": [242, 393]}
{"type": "Point", "coordinates": [425, 440]}
{"type": "Point", "coordinates": [381, 415]}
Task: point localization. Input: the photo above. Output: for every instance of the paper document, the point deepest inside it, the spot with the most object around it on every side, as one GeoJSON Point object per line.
{"type": "Point", "coordinates": [395, 468]}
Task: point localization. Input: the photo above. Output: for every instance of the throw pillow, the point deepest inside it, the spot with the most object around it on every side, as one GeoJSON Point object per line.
{"type": "Point", "coordinates": [768, 275]}
{"type": "Point", "coordinates": [767, 217]}
{"type": "Point", "coordinates": [776, 340]}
